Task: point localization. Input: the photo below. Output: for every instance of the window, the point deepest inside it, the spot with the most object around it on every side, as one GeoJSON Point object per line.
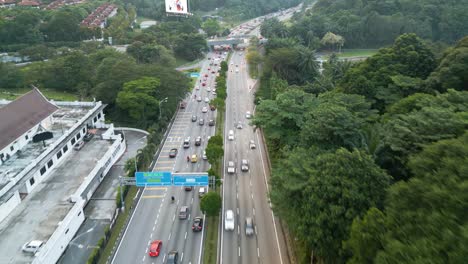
{"type": "Point", "coordinates": [32, 181]}
{"type": "Point", "coordinates": [79, 213]}
{"type": "Point", "coordinates": [73, 141]}
{"type": "Point", "coordinates": [65, 149]}
{"type": "Point", "coordinates": [84, 129]}
{"type": "Point", "coordinates": [26, 137]}
{"type": "Point", "coordinates": [50, 163]}
{"type": "Point", "coordinates": [43, 170]}
{"type": "Point", "coordinates": [95, 119]}
{"type": "Point", "coordinates": [66, 231]}
{"type": "Point", "coordinates": [78, 136]}
{"type": "Point", "coordinates": [59, 154]}
{"type": "Point", "coordinates": [99, 115]}
{"type": "Point", "coordinates": [12, 148]}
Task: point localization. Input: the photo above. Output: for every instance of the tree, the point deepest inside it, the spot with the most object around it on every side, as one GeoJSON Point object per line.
{"type": "Point", "coordinates": [320, 193]}
{"type": "Point", "coordinates": [137, 98]}
{"type": "Point", "coordinates": [332, 40]}
{"type": "Point", "coordinates": [211, 27]}
{"type": "Point", "coordinates": [190, 46]}
{"type": "Point", "coordinates": [63, 26]}
{"type": "Point", "coordinates": [11, 76]}
{"type": "Point", "coordinates": [214, 149]}
{"type": "Point", "coordinates": [433, 229]}
{"type": "Point", "coordinates": [366, 237]}
{"type": "Point", "coordinates": [210, 204]}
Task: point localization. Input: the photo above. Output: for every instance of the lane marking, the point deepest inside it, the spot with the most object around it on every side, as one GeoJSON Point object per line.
{"type": "Point", "coordinates": [152, 196]}
{"type": "Point", "coordinates": [155, 188]}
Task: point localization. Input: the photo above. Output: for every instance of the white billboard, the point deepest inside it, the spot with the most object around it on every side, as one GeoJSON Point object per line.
{"type": "Point", "coordinates": [177, 6]}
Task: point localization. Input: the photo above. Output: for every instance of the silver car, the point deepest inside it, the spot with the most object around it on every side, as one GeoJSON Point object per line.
{"type": "Point", "coordinates": [249, 226]}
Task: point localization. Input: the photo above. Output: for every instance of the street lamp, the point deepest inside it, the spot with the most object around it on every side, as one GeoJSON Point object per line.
{"type": "Point", "coordinates": [162, 101]}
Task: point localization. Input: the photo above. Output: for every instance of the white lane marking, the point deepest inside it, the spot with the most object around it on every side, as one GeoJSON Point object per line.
{"type": "Point", "coordinates": [169, 238]}
{"type": "Point", "coordinates": [153, 228]}
{"type": "Point", "coordinates": [182, 257]}
{"type": "Point", "coordinates": [237, 196]}
{"type": "Point", "coordinates": [185, 235]}
{"type": "Point", "coordinates": [238, 229]}
{"type": "Point", "coordinates": [164, 258]}
{"type": "Point", "coordinates": [173, 218]}
{"type": "Point", "coordinates": [239, 251]}
{"type": "Point", "coordinates": [272, 214]}
{"type": "Point", "coordinates": [252, 196]}
{"type": "Point", "coordinates": [237, 210]}
{"type": "Point", "coordinates": [253, 211]}
{"type": "Point", "coordinates": [258, 252]}
{"type": "Point", "coordinates": [144, 256]}
{"type": "Point", "coordinates": [192, 201]}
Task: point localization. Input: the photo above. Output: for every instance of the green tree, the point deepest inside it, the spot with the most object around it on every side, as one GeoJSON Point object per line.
{"type": "Point", "coordinates": [11, 76]}
{"type": "Point", "coordinates": [319, 194]}
{"type": "Point", "coordinates": [210, 204]}
{"type": "Point", "coordinates": [214, 149]}
{"type": "Point", "coordinates": [433, 229]}
{"type": "Point", "coordinates": [137, 98]}
{"type": "Point", "coordinates": [63, 26]}
{"type": "Point", "coordinates": [211, 27]}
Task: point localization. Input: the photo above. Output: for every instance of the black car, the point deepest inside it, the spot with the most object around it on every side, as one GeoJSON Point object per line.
{"type": "Point", "coordinates": [88, 137]}
{"type": "Point", "coordinates": [173, 153]}
{"type": "Point", "coordinates": [197, 224]}
{"type": "Point", "coordinates": [172, 257]}
{"type": "Point", "coordinates": [198, 141]}
{"type": "Point", "coordinates": [211, 122]}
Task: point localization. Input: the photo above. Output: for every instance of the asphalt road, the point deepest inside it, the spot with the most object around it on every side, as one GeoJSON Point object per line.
{"type": "Point", "coordinates": [155, 216]}
{"type": "Point", "coordinates": [245, 193]}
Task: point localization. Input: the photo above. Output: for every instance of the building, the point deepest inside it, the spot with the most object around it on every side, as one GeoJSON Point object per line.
{"type": "Point", "coordinates": [54, 156]}
{"type": "Point", "coordinates": [98, 18]}
{"type": "Point", "coordinates": [29, 3]}
{"type": "Point", "coordinates": [7, 3]}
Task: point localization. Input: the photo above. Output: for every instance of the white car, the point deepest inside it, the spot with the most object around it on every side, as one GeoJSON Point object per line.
{"type": "Point", "coordinates": [245, 165]}
{"type": "Point", "coordinates": [204, 109]}
{"type": "Point", "coordinates": [248, 115]}
{"type": "Point", "coordinates": [239, 125]}
{"type": "Point", "coordinates": [199, 99]}
{"type": "Point", "coordinates": [231, 167]}
{"type": "Point", "coordinates": [32, 246]}
{"type": "Point", "coordinates": [229, 220]}
{"type": "Point", "coordinates": [231, 135]}
{"type": "Point", "coordinates": [208, 89]}
{"type": "Point", "coordinates": [252, 144]}
{"type": "Point", "coordinates": [237, 70]}
{"type": "Point", "coordinates": [204, 155]}
{"type": "Point", "coordinates": [207, 100]}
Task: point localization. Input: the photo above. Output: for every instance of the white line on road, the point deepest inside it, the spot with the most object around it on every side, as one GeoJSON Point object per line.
{"type": "Point", "coordinates": [154, 227]}
{"type": "Point", "coordinates": [238, 229]}
{"type": "Point", "coordinates": [144, 256]}
{"type": "Point", "coordinates": [186, 235]}
{"type": "Point", "coordinates": [170, 234]}
{"type": "Point", "coordinates": [173, 218]}
{"type": "Point", "coordinates": [239, 251]}
{"type": "Point", "coordinates": [237, 196]}
{"type": "Point", "coordinates": [182, 257]}
{"type": "Point", "coordinates": [258, 252]}
{"type": "Point", "coordinates": [237, 210]}
{"type": "Point", "coordinates": [164, 258]}
{"type": "Point", "coordinates": [192, 201]}
{"type": "Point", "coordinates": [253, 211]}
{"type": "Point", "coordinates": [252, 196]}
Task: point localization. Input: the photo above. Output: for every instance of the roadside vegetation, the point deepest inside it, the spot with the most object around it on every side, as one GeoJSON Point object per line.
{"type": "Point", "coordinates": [385, 137]}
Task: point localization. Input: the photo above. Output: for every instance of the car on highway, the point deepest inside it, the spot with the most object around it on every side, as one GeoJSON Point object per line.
{"type": "Point", "coordinates": [183, 212]}
{"type": "Point", "coordinates": [231, 135]}
{"type": "Point", "coordinates": [201, 192]}
{"type": "Point", "coordinates": [248, 115]}
{"type": "Point", "coordinates": [188, 188]}
{"type": "Point", "coordinates": [173, 153]}
{"type": "Point", "coordinates": [172, 257]}
{"type": "Point", "coordinates": [211, 122]}
{"type": "Point", "coordinates": [197, 87]}
{"type": "Point", "coordinates": [204, 155]}
{"type": "Point", "coordinates": [231, 168]}
{"type": "Point", "coordinates": [212, 107]}
{"type": "Point", "coordinates": [201, 122]}
{"type": "Point", "coordinates": [207, 100]}
{"type": "Point", "coordinates": [237, 70]}
{"type": "Point", "coordinates": [199, 99]}
{"type": "Point", "coordinates": [187, 142]}
{"type": "Point", "coordinates": [244, 165]}
{"type": "Point", "coordinates": [239, 125]}
{"type": "Point", "coordinates": [206, 75]}
{"type": "Point", "coordinates": [194, 118]}
{"type": "Point", "coordinates": [194, 158]}
{"type": "Point", "coordinates": [252, 144]}
{"type": "Point", "coordinates": [203, 84]}
{"type": "Point", "coordinates": [155, 248]}
{"type": "Point", "coordinates": [198, 141]}
{"type": "Point", "coordinates": [229, 220]}
{"type": "Point", "coordinates": [213, 72]}
{"type": "Point", "coordinates": [249, 226]}
{"type": "Point", "coordinates": [208, 89]}
{"type": "Point", "coordinates": [204, 109]}
{"type": "Point", "coordinates": [197, 224]}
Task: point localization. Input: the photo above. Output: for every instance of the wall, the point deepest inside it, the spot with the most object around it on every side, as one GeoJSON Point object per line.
{"type": "Point", "coordinates": [8, 206]}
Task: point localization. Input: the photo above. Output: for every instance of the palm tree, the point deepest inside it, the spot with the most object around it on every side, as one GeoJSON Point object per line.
{"type": "Point", "coordinates": [308, 64]}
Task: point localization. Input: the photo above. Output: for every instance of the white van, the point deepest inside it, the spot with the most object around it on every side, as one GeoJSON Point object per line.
{"type": "Point", "coordinates": [201, 192]}
{"type": "Point", "coordinates": [231, 135]}
{"type": "Point", "coordinates": [32, 246]}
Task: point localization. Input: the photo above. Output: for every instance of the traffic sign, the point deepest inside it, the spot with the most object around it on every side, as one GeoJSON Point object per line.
{"type": "Point", "coordinates": [190, 179]}
{"type": "Point", "coordinates": [194, 75]}
{"type": "Point", "coordinates": [154, 178]}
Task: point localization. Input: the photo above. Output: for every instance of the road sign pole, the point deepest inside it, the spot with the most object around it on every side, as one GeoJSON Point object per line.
{"type": "Point", "coordinates": [122, 208]}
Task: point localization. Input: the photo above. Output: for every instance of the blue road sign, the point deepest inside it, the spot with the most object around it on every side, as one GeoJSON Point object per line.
{"type": "Point", "coordinates": [194, 75]}
{"type": "Point", "coordinates": [154, 178]}
{"type": "Point", "coordinates": [190, 179]}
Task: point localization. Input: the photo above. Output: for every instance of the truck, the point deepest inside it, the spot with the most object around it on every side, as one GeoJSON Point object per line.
{"type": "Point", "coordinates": [182, 105]}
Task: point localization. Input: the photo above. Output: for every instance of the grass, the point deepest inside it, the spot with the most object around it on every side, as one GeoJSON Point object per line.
{"type": "Point", "coordinates": [119, 225]}
{"type": "Point", "coordinates": [357, 53]}
{"type": "Point", "coordinates": [12, 94]}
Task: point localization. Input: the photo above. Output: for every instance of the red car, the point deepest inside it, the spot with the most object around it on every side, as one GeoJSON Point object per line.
{"type": "Point", "coordinates": [155, 248]}
{"type": "Point", "coordinates": [213, 72]}
{"type": "Point", "coordinates": [203, 84]}
{"type": "Point", "coordinates": [206, 75]}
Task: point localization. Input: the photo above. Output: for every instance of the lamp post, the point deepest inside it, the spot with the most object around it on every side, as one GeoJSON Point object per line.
{"type": "Point", "coordinates": [162, 101]}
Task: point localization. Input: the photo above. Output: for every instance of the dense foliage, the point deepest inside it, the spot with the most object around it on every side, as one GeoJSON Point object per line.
{"type": "Point", "coordinates": [369, 160]}
{"type": "Point", "coordinates": [374, 23]}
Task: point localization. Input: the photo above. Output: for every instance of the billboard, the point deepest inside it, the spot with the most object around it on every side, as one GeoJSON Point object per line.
{"type": "Point", "coordinates": [177, 7]}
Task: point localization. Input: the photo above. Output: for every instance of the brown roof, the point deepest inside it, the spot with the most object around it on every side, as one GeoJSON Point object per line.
{"type": "Point", "coordinates": [19, 116]}
{"type": "Point", "coordinates": [28, 3]}
{"type": "Point", "coordinates": [4, 2]}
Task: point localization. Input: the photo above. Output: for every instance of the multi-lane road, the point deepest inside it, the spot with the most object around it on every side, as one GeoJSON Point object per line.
{"type": "Point", "coordinates": [155, 216]}
{"type": "Point", "coordinates": [246, 192]}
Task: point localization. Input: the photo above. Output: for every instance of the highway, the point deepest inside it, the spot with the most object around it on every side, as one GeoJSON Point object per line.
{"type": "Point", "coordinates": [246, 193]}
{"type": "Point", "coordinates": [155, 216]}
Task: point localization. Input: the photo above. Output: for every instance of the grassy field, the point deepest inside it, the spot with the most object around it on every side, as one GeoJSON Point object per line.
{"type": "Point", "coordinates": [357, 53]}
{"type": "Point", "coordinates": [12, 94]}
{"type": "Point", "coordinates": [119, 225]}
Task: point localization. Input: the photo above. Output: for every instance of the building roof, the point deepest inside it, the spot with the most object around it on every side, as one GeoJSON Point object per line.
{"type": "Point", "coordinates": [28, 3]}
{"type": "Point", "coordinates": [19, 116]}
